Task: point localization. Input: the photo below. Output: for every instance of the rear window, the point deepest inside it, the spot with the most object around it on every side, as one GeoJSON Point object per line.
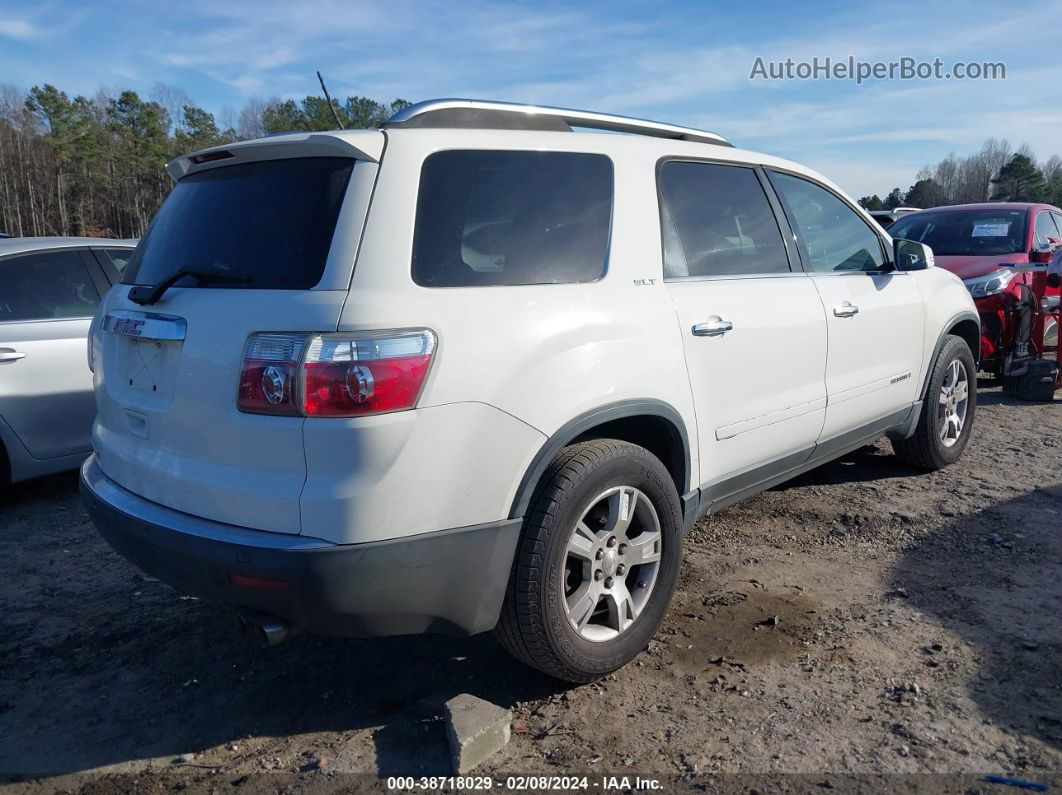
{"type": "Point", "coordinates": [506, 218]}
{"type": "Point", "coordinates": [268, 223]}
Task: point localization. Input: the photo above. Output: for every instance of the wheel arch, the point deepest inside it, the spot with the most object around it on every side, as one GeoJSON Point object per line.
{"type": "Point", "coordinates": [653, 424]}
{"type": "Point", "coordinates": [965, 325]}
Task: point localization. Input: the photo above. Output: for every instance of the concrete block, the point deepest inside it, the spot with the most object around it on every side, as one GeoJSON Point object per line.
{"type": "Point", "coordinates": [477, 729]}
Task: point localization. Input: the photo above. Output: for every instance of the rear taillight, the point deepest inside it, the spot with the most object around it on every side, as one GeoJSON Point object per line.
{"type": "Point", "coordinates": [269, 378]}
{"type": "Point", "coordinates": [349, 375]}
{"type": "Point", "coordinates": [346, 374]}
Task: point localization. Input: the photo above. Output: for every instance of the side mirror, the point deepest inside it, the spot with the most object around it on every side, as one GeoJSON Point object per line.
{"type": "Point", "coordinates": [911, 256]}
{"type": "Point", "coordinates": [1041, 252]}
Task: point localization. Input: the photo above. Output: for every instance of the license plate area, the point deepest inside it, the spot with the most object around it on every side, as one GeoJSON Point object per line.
{"type": "Point", "coordinates": [145, 350]}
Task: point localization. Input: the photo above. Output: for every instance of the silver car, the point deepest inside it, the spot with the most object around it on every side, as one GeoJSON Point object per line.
{"type": "Point", "coordinates": [49, 289]}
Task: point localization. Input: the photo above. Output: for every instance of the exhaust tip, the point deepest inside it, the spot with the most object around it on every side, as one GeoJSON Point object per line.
{"type": "Point", "coordinates": [274, 631]}
{"type": "Point", "coordinates": [267, 629]}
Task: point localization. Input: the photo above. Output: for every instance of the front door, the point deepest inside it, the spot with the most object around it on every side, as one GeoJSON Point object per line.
{"type": "Point", "coordinates": [752, 327]}
{"type": "Point", "coordinates": [875, 315]}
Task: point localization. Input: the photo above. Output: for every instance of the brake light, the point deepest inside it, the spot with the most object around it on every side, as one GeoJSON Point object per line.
{"type": "Point", "coordinates": [269, 377]}
{"type": "Point", "coordinates": [346, 374]}
{"type": "Point", "coordinates": [350, 375]}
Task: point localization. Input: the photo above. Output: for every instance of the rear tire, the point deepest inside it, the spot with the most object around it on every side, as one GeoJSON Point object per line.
{"type": "Point", "coordinates": [597, 562]}
{"type": "Point", "coordinates": [946, 420]}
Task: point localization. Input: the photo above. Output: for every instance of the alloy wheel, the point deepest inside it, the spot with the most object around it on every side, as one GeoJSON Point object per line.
{"type": "Point", "coordinates": [611, 563]}
{"type": "Point", "coordinates": [954, 399]}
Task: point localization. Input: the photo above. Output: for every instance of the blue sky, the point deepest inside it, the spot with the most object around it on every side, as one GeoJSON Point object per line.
{"type": "Point", "coordinates": [683, 62]}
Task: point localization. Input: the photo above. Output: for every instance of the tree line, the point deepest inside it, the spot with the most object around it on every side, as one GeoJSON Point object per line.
{"type": "Point", "coordinates": [995, 173]}
{"type": "Point", "coordinates": [96, 166]}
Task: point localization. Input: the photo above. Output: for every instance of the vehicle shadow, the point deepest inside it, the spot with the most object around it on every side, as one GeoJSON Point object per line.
{"type": "Point", "coordinates": [62, 486]}
{"type": "Point", "coordinates": [101, 666]}
{"type": "Point", "coordinates": [871, 463]}
{"type": "Point", "coordinates": [995, 579]}
{"type": "Point", "coordinates": [186, 682]}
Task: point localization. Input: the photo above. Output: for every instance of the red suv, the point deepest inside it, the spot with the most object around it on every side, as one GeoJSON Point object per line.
{"type": "Point", "coordinates": [977, 242]}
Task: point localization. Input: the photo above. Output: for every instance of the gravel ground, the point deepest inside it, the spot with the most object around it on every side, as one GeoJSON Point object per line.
{"type": "Point", "coordinates": [863, 620]}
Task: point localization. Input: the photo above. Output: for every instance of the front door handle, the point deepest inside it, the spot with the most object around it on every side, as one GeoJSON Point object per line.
{"type": "Point", "coordinates": [714, 327]}
{"type": "Point", "coordinates": [846, 310]}
{"type": "Point", "coordinates": [10, 355]}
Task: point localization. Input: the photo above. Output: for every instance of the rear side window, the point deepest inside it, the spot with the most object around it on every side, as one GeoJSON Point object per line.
{"type": "Point", "coordinates": [52, 285]}
{"type": "Point", "coordinates": [716, 221]}
{"type": "Point", "coordinates": [506, 218]}
{"type": "Point", "coordinates": [269, 224]}
{"type": "Point", "coordinates": [834, 237]}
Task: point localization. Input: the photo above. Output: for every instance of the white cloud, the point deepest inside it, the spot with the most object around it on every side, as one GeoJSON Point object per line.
{"type": "Point", "coordinates": [20, 29]}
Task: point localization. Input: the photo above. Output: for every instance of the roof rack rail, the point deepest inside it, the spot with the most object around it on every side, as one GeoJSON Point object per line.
{"type": "Point", "coordinates": [475, 113]}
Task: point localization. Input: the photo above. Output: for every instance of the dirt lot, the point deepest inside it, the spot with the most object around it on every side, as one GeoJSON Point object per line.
{"type": "Point", "coordinates": [919, 631]}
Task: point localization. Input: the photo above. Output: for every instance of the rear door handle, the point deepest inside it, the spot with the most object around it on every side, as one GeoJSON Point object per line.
{"type": "Point", "coordinates": [714, 327]}
{"type": "Point", "coordinates": [10, 355]}
{"type": "Point", "coordinates": [846, 310]}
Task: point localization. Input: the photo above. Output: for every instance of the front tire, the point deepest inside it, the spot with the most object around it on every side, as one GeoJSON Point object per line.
{"type": "Point", "coordinates": [947, 412]}
{"type": "Point", "coordinates": [597, 562]}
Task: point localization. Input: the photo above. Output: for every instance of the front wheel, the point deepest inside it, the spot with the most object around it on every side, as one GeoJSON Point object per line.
{"type": "Point", "coordinates": [948, 410]}
{"type": "Point", "coordinates": [597, 562]}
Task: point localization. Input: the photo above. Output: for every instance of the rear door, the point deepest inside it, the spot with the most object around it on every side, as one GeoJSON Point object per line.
{"type": "Point", "coordinates": [281, 233]}
{"type": "Point", "coordinates": [874, 315]}
{"type": "Point", "coordinates": [46, 304]}
{"type": "Point", "coordinates": [752, 326]}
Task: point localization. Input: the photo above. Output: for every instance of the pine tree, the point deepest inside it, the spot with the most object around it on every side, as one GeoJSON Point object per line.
{"type": "Point", "coordinates": [1019, 181]}
{"type": "Point", "coordinates": [894, 199]}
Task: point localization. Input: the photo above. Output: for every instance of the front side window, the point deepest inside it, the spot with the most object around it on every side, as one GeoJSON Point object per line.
{"type": "Point", "coordinates": [1044, 229]}
{"type": "Point", "coordinates": [52, 285]}
{"type": "Point", "coordinates": [508, 218]}
{"type": "Point", "coordinates": [716, 221]}
{"type": "Point", "coordinates": [964, 233]}
{"type": "Point", "coordinates": [265, 225]}
{"type": "Point", "coordinates": [834, 237]}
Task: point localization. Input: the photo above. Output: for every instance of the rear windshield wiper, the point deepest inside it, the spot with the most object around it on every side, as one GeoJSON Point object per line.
{"type": "Point", "coordinates": [147, 294]}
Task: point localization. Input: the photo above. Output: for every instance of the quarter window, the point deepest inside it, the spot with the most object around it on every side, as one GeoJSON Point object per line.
{"type": "Point", "coordinates": [119, 257]}
{"type": "Point", "coordinates": [46, 286]}
{"type": "Point", "coordinates": [716, 221]}
{"type": "Point", "coordinates": [833, 236]}
{"type": "Point", "coordinates": [508, 218]}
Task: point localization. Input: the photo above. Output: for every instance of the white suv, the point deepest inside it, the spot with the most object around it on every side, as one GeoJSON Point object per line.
{"type": "Point", "coordinates": [475, 370]}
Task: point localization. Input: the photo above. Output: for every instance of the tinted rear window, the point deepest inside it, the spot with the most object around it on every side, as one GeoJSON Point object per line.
{"type": "Point", "coordinates": [270, 222]}
{"type": "Point", "coordinates": [504, 218]}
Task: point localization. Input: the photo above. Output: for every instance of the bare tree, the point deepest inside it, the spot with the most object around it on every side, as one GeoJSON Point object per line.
{"type": "Point", "coordinates": [249, 123]}
{"type": "Point", "coordinates": [173, 100]}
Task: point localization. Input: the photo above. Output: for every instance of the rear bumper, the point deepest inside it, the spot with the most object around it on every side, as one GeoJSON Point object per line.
{"type": "Point", "coordinates": [451, 581]}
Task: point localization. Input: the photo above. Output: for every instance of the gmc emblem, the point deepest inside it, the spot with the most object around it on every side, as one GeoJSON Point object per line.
{"type": "Point", "coordinates": [127, 325]}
